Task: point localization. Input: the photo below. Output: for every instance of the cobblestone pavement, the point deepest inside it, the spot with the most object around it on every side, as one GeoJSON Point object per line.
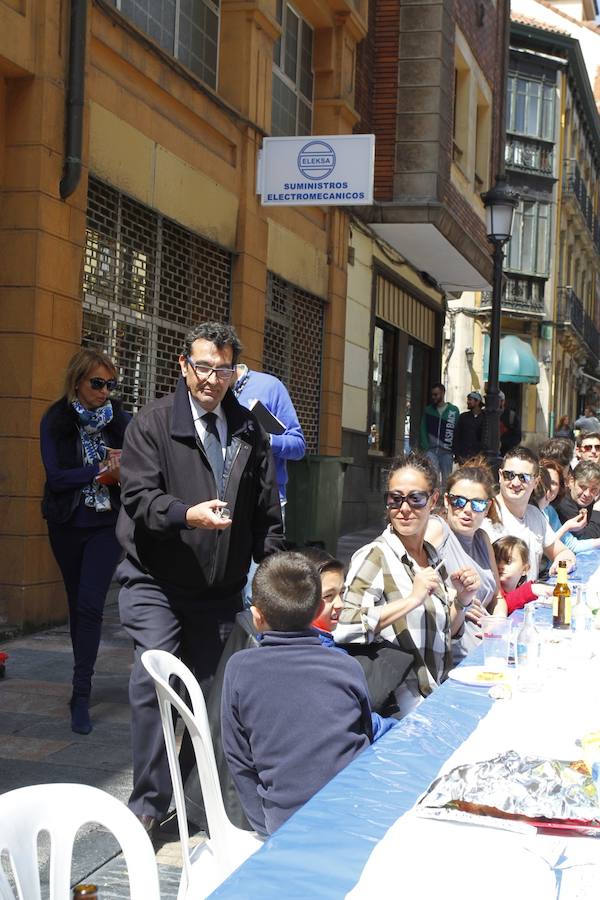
{"type": "Point", "coordinates": [37, 745]}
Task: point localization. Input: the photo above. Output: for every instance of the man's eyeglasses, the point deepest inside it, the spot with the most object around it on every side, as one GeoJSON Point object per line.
{"type": "Point", "coordinates": [204, 372]}
{"type": "Point", "coordinates": [590, 448]}
{"type": "Point", "coordinates": [524, 477]}
{"type": "Point", "coordinates": [477, 504]}
{"type": "Point", "coordinates": [98, 383]}
{"type": "Point", "coordinates": [415, 499]}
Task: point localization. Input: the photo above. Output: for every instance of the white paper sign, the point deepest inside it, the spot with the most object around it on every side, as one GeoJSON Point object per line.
{"type": "Point", "coordinates": [317, 170]}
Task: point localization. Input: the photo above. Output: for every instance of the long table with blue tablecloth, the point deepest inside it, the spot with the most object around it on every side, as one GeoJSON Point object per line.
{"type": "Point", "coordinates": [322, 849]}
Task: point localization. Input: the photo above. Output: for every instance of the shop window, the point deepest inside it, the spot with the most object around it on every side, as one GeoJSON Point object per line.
{"type": "Point", "coordinates": [530, 107]}
{"type": "Point", "coordinates": [529, 246]}
{"type": "Point", "coordinates": [418, 366]}
{"type": "Point", "coordinates": [146, 282]}
{"type": "Point", "coordinates": [188, 29]}
{"type": "Point", "coordinates": [384, 381]}
{"type": "Point", "coordinates": [292, 74]}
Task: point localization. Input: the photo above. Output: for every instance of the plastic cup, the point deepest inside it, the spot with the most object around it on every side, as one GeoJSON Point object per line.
{"type": "Point", "coordinates": [496, 632]}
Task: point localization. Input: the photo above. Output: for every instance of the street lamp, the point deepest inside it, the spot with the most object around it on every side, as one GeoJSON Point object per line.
{"type": "Point", "coordinates": [500, 203]}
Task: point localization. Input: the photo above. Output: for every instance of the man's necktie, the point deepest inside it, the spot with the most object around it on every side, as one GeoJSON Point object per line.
{"type": "Point", "coordinates": [213, 447]}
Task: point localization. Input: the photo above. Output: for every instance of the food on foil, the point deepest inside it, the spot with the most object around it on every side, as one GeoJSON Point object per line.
{"type": "Point", "coordinates": [490, 677]}
{"type": "Point", "coordinates": [520, 787]}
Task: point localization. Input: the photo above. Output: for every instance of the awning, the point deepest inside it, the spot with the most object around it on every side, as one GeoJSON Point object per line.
{"type": "Point", "coordinates": [517, 362]}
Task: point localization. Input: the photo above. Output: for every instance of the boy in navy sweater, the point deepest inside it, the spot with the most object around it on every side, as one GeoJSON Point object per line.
{"type": "Point", "coordinates": [292, 715]}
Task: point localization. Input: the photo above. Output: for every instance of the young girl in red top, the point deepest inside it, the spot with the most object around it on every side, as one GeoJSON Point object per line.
{"type": "Point", "coordinates": [512, 559]}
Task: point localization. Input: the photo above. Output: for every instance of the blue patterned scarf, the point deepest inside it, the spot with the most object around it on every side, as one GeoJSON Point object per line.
{"type": "Point", "coordinates": [91, 424]}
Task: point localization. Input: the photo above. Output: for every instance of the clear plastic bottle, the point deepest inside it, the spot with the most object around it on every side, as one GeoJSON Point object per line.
{"type": "Point", "coordinates": [582, 621]}
{"type": "Point", "coordinates": [527, 655]}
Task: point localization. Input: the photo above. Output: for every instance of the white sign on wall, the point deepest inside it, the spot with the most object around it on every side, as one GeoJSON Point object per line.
{"type": "Point", "coordinates": [317, 170]}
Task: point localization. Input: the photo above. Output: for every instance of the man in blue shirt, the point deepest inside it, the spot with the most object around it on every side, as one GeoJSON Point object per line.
{"type": "Point", "coordinates": [290, 444]}
{"type": "Point", "coordinates": [251, 386]}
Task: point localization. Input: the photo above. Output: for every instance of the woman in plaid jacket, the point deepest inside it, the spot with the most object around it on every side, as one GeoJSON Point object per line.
{"type": "Point", "coordinates": [398, 589]}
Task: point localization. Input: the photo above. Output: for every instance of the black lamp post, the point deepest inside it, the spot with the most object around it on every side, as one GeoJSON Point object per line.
{"type": "Point", "coordinates": [500, 203]}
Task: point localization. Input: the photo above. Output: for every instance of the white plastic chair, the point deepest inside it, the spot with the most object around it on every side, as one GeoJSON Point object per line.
{"type": "Point", "coordinates": [208, 864]}
{"type": "Point", "coordinates": [61, 810]}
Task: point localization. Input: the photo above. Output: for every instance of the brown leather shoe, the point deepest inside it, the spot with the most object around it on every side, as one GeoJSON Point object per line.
{"type": "Point", "coordinates": [151, 826]}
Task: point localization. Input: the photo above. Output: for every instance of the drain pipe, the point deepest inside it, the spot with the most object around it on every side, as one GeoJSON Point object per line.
{"type": "Point", "coordinates": [75, 96]}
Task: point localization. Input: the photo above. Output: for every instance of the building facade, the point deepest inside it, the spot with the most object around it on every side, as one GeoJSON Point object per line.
{"type": "Point", "coordinates": [429, 85]}
{"type": "Point", "coordinates": [164, 227]}
{"type": "Point", "coordinates": [550, 340]}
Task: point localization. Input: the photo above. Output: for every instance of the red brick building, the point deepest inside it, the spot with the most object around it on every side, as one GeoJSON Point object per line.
{"type": "Point", "coordinates": [430, 85]}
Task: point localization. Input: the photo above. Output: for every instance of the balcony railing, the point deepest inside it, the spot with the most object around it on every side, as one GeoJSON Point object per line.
{"type": "Point", "coordinates": [571, 313]}
{"type": "Point", "coordinates": [573, 183]}
{"type": "Point", "coordinates": [522, 294]}
{"type": "Point", "coordinates": [570, 310]}
{"type": "Point", "coordinates": [591, 335]}
{"type": "Point", "coordinates": [529, 156]}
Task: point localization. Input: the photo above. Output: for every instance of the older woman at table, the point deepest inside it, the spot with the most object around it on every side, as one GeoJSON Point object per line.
{"type": "Point", "coordinates": [461, 541]}
{"type": "Point", "coordinates": [398, 588]}
{"type": "Point", "coordinates": [581, 495]}
{"type": "Point", "coordinates": [551, 487]}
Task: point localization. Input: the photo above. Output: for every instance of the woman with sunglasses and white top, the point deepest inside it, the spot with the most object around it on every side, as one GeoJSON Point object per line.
{"type": "Point", "coordinates": [460, 540]}
{"type": "Point", "coordinates": [398, 589]}
{"type": "Point", "coordinates": [81, 436]}
{"type": "Point", "coordinates": [518, 475]}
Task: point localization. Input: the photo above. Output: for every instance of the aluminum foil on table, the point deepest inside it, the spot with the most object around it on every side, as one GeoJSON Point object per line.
{"type": "Point", "coordinates": [521, 786]}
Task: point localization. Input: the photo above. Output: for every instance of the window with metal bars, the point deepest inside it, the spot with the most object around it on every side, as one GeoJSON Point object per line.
{"type": "Point", "coordinates": [293, 349]}
{"type": "Point", "coordinates": [146, 282]}
{"type": "Point", "coordinates": [188, 29]}
{"type": "Point", "coordinates": [292, 99]}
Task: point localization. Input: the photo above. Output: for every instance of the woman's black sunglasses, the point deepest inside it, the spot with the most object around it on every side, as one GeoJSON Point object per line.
{"type": "Point", "coordinates": [478, 505]}
{"type": "Point", "coordinates": [99, 383]}
{"type": "Point", "coordinates": [415, 499]}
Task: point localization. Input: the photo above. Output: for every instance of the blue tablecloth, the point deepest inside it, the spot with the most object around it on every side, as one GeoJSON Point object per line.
{"type": "Point", "coordinates": [587, 563]}
{"type": "Point", "coordinates": [321, 851]}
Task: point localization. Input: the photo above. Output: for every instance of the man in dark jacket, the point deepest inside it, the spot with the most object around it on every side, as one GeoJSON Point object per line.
{"type": "Point", "coordinates": [468, 434]}
{"type": "Point", "coordinates": [199, 499]}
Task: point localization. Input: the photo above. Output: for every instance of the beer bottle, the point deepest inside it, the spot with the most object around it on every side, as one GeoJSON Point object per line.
{"type": "Point", "coordinates": [561, 599]}
{"type": "Point", "coordinates": [87, 891]}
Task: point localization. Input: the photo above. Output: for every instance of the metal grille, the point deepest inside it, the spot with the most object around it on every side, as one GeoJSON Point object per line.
{"type": "Point", "coordinates": [293, 349]}
{"type": "Point", "coordinates": [146, 281]}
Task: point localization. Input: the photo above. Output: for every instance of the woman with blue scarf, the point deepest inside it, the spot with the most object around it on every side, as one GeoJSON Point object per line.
{"type": "Point", "coordinates": [81, 436]}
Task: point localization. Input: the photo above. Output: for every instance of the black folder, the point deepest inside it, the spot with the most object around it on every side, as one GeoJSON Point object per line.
{"type": "Point", "coordinates": [269, 422]}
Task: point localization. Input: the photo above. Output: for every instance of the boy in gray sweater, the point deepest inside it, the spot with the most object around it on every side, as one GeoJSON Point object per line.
{"type": "Point", "coordinates": [293, 714]}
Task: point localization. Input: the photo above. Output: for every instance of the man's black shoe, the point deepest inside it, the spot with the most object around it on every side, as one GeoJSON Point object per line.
{"type": "Point", "coordinates": [151, 826]}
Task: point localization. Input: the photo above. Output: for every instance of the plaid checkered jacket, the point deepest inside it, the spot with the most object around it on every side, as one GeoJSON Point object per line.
{"type": "Point", "coordinates": [380, 573]}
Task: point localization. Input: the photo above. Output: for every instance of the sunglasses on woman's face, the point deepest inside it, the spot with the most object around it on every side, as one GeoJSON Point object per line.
{"type": "Point", "coordinates": [98, 383]}
{"type": "Point", "coordinates": [524, 477]}
{"type": "Point", "coordinates": [415, 499]}
{"type": "Point", "coordinates": [478, 505]}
